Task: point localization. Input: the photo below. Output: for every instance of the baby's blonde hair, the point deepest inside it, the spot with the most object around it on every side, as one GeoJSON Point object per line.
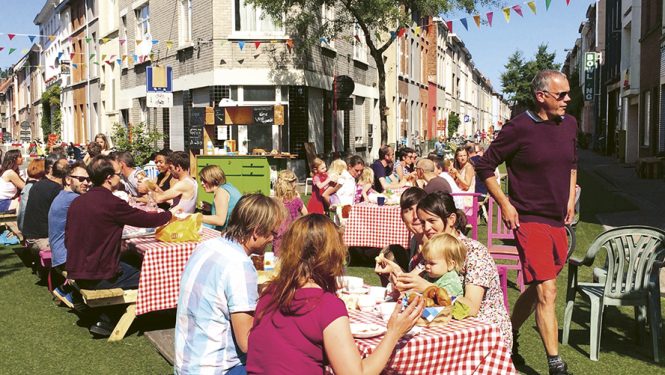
{"type": "Point", "coordinates": [337, 167]}
{"type": "Point", "coordinates": [447, 246]}
{"type": "Point", "coordinates": [285, 186]}
{"type": "Point", "coordinates": [367, 177]}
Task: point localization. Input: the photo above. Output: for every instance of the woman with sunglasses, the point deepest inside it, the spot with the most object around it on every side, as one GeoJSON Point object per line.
{"type": "Point", "coordinates": [11, 182]}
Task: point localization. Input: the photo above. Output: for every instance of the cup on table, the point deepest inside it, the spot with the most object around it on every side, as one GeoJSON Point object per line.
{"type": "Point", "coordinates": [366, 303]}
{"type": "Point", "coordinates": [353, 283]}
{"type": "Point", "coordinates": [380, 200]}
{"type": "Point", "coordinates": [378, 293]}
{"type": "Point", "coordinates": [386, 310]}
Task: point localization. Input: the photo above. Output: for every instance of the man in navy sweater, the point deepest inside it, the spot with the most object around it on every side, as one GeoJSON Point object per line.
{"type": "Point", "coordinates": [93, 232]}
{"type": "Point", "coordinates": [539, 149]}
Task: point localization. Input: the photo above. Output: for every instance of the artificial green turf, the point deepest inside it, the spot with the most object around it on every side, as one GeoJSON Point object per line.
{"type": "Point", "coordinates": [37, 337]}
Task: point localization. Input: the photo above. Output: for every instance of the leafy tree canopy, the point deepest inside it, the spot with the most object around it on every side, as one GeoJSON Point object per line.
{"type": "Point", "coordinates": [518, 73]}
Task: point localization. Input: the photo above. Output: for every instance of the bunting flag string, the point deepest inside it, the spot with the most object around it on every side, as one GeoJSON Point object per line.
{"type": "Point", "coordinates": [518, 10]}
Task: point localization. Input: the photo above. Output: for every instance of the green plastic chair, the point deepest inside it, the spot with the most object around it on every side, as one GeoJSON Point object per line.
{"type": "Point", "coordinates": [631, 280]}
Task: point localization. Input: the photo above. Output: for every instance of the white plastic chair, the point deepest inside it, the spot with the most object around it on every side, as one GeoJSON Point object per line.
{"type": "Point", "coordinates": [308, 182]}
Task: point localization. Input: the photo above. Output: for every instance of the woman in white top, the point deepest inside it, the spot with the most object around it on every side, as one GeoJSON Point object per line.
{"type": "Point", "coordinates": [10, 181]}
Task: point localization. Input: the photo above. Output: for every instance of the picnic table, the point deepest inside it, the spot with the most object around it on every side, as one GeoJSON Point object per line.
{"type": "Point", "coordinates": [467, 346]}
{"type": "Point", "coordinates": [163, 263]}
{"type": "Point", "coordinates": [371, 225]}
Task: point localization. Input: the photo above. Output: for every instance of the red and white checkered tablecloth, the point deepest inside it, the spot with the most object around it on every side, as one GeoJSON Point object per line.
{"type": "Point", "coordinates": [466, 346]}
{"type": "Point", "coordinates": [371, 225]}
{"type": "Point", "coordinates": [163, 263]}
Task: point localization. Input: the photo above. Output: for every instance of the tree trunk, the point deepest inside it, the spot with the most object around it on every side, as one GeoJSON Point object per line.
{"type": "Point", "coordinates": [383, 112]}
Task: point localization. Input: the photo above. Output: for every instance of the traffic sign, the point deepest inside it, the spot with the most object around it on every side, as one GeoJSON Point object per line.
{"type": "Point", "coordinates": [159, 99]}
{"type": "Point", "coordinates": [159, 79]}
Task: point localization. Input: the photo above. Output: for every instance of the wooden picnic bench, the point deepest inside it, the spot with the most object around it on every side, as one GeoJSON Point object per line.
{"type": "Point", "coordinates": [111, 297]}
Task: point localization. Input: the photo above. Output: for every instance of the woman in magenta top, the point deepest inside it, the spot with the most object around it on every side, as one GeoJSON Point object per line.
{"type": "Point", "coordinates": [300, 325]}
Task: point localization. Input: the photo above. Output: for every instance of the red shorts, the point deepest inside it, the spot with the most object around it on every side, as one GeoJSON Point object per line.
{"type": "Point", "coordinates": [543, 250]}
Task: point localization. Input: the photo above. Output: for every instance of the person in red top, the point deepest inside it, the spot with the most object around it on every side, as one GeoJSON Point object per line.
{"type": "Point", "coordinates": [93, 233]}
{"type": "Point", "coordinates": [540, 151]}
{"type": "Point", "coordinates": [300, 325]}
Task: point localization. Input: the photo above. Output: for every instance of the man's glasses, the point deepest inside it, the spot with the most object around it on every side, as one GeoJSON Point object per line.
{"type": "Point", "coordinates": [81, 178]}
{"type": "Point", "coordinates": [559, 96]}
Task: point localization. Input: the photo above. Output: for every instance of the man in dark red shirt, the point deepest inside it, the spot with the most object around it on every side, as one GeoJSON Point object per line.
{"type": "Point", "coordinates": [93, 233]}
{"type": "Point", "coordinates": [539, 148]}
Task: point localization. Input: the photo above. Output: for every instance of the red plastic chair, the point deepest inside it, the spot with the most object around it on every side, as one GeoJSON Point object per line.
{"type": "Point", "coordinates": [503, 280]}
{"type": "Point", "coordinates": [497, 230]}
{"type": "Point", "coordinates": [471, 212]}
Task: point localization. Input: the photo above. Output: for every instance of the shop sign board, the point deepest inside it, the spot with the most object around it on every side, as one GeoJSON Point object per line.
{"type": "Point", "coordinates": [590, 65]}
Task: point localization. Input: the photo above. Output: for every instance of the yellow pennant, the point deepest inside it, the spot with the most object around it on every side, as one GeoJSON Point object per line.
{"type": "Point", "coordinates": [138, 41]}
{"type": "Point", "coordinates": [476, 19]}
{"type": "Point", "coordinates": [417, 30]}
{"type": "Point", "coordinates": [506, 14]}
{"type": "Point", "coordinates": [124, 58]}
{"type": "Point", "coordinates": [51, 37]}
{"type": "Point", "coordinates": [532, 6]}
{"type": "Point", "coordinates": [169, 44]}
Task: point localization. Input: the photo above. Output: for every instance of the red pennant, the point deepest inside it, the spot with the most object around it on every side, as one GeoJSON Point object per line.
{"type": "Point", "coordinates": [450, 26]}
{"type": "Point", "coordinates": [1, 48]}
{"type": "Point", "coordinates": [567, 2]}
{"type": "Point", "coordinates": [401, 32]}
{"type": "Point", "coordinates": [489, 17]}
{"type": "Point", "coordinates": [11, 36]}
{"type": "Point", "coordinates": [71, 56]}
{"type": "Point", "coordinates": [518, 9]}
{"type": "Point", "coordinates": [257, 44]}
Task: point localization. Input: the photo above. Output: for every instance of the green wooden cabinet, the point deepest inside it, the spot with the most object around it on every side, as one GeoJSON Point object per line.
{"type": "Point", "coordinates": [249, 174]}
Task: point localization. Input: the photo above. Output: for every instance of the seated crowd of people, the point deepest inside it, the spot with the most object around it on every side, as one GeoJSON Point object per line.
{"type": "Point", "coordinates": [77, 211]}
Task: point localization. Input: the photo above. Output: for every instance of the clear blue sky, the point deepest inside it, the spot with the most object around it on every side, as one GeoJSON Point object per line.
{"type": "Point", "coordinates": [16, 17]}
{"type": "Point", "coordinates": [491, 46]}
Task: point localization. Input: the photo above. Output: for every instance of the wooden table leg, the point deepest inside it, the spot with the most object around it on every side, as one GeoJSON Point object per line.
{"type": "Point", "coordinates": [124, 323]}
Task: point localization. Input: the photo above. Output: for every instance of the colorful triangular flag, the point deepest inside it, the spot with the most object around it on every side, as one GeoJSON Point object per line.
{"type": "Point", "coordinates": [417, 30]}
{"type": "Point", "coordinates": [532, 6]}
{"type": "Point", "coordinates": [105, 40]}
{"type": "Point", "coordinates": [71, 56]}
{"type": "Point", "coordinates": [124, 58]}
{"type": "Point", "coordinates": [393, 35]}
{"type": "Point", "coordinates": [506, 14]}
{"type": "Point", "coordinates": [88, 40]}
{"type": "Point", "coordinates": [476, 19]}
{"type": "Point", "coordinates": [567, 2]}
{"type": "Point", "coordinates": [155, 42]}
{"type": "Point", "coordinates": [518, 10]}
{"type": "Point", "coordinates": [547, 4]}
{"type": "Point", "coordinates": [11, 36]}
{"type": "Point", "coordinates": [51, 38]}
{"type": "Point", "coordinates": [75, 66]}
{"type": "Point", "coordinates": [103, 57]}
{"type": "Point", "coordinates": [490, 15]}
{"type": "Point", "coordinates": [241, 44]}
{"type": "Point", "coordinates": [59, 55]}
{"type": "Point", "coordinates": [136, 58]}
{"type": "Point", "coordinates": [289, 43]}
{"type": "Point", "coordinates": [119, 61]}
{"type": "Point", "coordinates": [92, 55]}
{"type": "Point", "coordinates": [401, 32]}
{"type": "Point", "coordinates": [24, 51]}
{"type": "Point", "coordinates": [169, 44]}
{"type": "Point", "coordinates": [32, 38]}
{"type": "Point", "coordinates": [463, 21]}
{"type": "Point", "coordinates": [257, 44]}
{"type": "Point", "coordinates": [450, 26]}
{"type": "Point", "coordinates": [122, 41]}
{"type": "Point", "coordinates": [1, 48]}
{"type": "Point", "coordinates": [138, 41]}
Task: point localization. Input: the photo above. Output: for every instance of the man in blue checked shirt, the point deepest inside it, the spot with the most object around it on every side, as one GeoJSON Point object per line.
{"type": "Point", "coordinates": [219, 291]}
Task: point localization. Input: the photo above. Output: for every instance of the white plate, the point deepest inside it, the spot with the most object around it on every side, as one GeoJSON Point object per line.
{"type": "Point", "coordinates": [363, 290]}
{"type": "Point", "coordinates": [367, 330]}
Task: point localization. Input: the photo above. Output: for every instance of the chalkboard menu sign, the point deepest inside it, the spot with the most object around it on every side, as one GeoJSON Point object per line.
{"type": "Point", "coordinates": [264, 115]}
{"type": "Point", "coordinates": [219, 116]}
{"type": "Point", "coordinates": [198, 116]}
{"type": "Point", "coordinates": [195, 136]}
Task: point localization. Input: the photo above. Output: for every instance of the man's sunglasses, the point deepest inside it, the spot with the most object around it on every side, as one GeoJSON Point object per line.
{"type": "Point", "coordinates": [81, 178]}
{"type": "Point", "coordinates": [559, 96]}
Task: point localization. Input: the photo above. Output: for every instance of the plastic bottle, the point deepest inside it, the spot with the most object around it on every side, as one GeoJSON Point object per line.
{"type": "Point", "coordinates": [209, 148]}
{"type": "Point", "coordinates": [269, 261]}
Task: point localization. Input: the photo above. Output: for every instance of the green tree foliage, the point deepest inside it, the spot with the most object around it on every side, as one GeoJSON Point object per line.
{"type": "Point", "coordinates": [518, 73]}
{"type": "Point", "coordinates": [453, 123]}
{"type": "Point", "coordinates": [51, 114]}
{"type": "Point", "coordinates": [137, 139]}
{"type": "Point", "coordinates": [305, 23]}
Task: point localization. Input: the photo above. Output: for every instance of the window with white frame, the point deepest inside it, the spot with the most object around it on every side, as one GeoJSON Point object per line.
{"type": "Point", "coordinates": [253, 20]}
{"type": "Point", "coordinates": [360, 125]}
{"type": "Point", "coordinates": [143, 22]}
{"type": "Point", "coordinates": [646, 121]}
{"type": "Point", "coordinates": [328, 17]}
{"type": "Point", "coordinates": [359, 45]}
{"type": "Point", "coordinates": [185, 22]}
